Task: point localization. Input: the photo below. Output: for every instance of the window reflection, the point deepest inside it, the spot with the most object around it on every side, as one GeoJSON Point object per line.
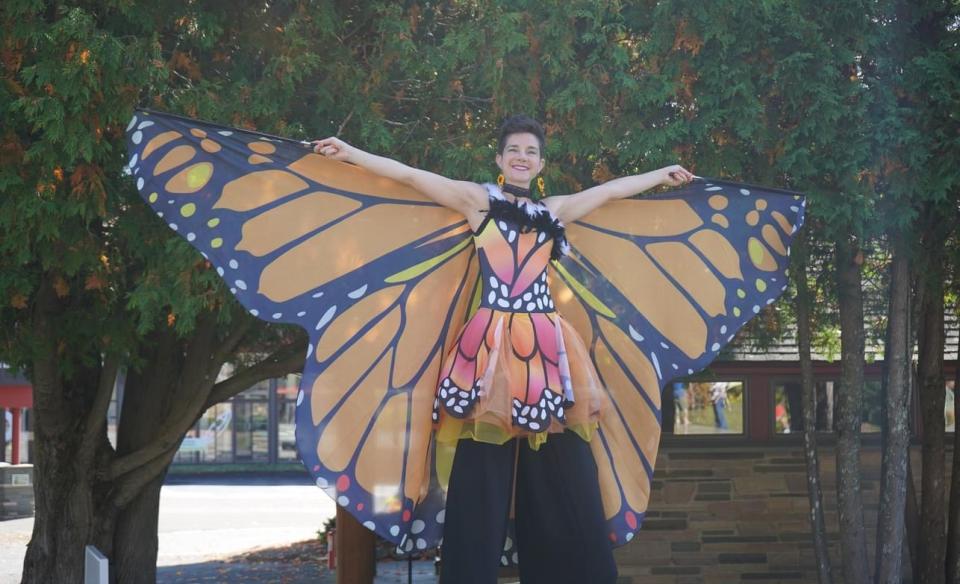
{"type": "Point", "coordinates": [949, 415]}
{"type": "Point", "coordinates": [788, 406]}
{"type": "Point", "coordinates": [709, 407]}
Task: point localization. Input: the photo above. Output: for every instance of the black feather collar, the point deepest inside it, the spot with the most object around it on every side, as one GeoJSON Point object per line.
{"type": "Point", "coordinates": [530, 216]}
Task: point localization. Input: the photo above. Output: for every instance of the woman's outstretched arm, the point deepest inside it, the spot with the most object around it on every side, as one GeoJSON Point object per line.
{"type": "Point", "coordinates": [573, 207]}
{"type": "Point", "coordinates": [468, 198]}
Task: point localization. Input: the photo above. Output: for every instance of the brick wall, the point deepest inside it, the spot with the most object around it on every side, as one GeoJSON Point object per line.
{"type": "Point", "coordinates": [740, 514]}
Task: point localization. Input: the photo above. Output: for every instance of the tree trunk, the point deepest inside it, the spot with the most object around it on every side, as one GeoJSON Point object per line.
{"type": "Point", "coordinates": [809, 408]}
{"type": "Point", "coordinates": [849, 412]}
{"type": "Point", "coordinates": [896, 442]}
{"type": "Point", "coordinates": [70, 496]}
{"type": "Point", "coordinates": [953, 531]}
{"type": "Point", "coordinates": [147, 405]}
{"type": "Point", "coordinates": [931, 382]}
{"type": "Point", "coordinates": [87, 493]}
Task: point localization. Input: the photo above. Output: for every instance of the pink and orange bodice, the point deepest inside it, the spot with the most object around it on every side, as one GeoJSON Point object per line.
{"type": "Point", "coordinates": [511, 371]}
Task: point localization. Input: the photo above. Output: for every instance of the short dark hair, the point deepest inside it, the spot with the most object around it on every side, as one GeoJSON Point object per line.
{"type": "Point", "coordinates": [521, 124]}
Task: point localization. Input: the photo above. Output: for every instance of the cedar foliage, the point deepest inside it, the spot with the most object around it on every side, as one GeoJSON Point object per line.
{"type": "Point", "coordinates": [855, 106]}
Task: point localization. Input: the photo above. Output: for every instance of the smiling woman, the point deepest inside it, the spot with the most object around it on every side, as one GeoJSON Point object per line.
{"type": "Point", "coordinates": [481, 369]}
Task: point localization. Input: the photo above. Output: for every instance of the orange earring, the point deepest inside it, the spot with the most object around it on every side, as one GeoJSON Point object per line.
{"type": "Point", "coordinates": [540, 187]}
{"type": "Point", "coordinates": [500, 181]}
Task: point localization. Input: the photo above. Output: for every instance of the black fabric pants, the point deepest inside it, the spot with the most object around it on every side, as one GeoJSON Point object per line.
{"type": "Point", "coordinates": [560, 527]}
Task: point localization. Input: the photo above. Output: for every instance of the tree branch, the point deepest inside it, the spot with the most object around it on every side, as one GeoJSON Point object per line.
{"type": "Point", "coordinates": [286, 360]}
{"type": "Point", "coordinates": [179, 419]}
{"type": "Point", "coordinates": [283, 361]}
{"type": "Point", "coordinates": [230, 343]}
{"type": "Point", "coordinates": [97, 418]}
{"type": "Point", "coordinates": [134, 481]}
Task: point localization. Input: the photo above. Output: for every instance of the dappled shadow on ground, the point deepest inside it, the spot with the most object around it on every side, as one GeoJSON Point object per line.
{"type": "Point", "coordinates": [299, 563]}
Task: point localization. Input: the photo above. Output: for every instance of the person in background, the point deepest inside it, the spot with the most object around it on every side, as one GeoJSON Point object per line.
{"type": "Point", "coordinates": [718, 395]}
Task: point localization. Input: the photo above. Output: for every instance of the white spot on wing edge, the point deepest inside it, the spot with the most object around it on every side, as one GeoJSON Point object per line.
{"type": "Point", "coordinates": [634, 334]}
{"type": "Point", "coordinates": [358, 292]}
{"type": "Point", "coordinates": [327, 317]}
{"type": "Point", "coordinates": [656, 364]}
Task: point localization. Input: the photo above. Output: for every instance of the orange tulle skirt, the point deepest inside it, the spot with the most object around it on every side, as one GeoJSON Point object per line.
{"type": "Point", "coordinates": [517, 374]}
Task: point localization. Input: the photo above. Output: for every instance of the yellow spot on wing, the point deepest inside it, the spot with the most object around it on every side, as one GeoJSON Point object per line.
{"type": "Point", "coordinates": [190, 180]}
{"type": "Point", "coordinates": [188, 210]}
{"type": "Point", "coordinates": [416, 270]}
{"type": "Point", "coordinates": [760, 255]}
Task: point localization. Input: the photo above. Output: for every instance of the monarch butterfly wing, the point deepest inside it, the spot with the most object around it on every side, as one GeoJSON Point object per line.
{"type": "Point", "coordinates": [379, 276]}
{"type": "Point", "coordinates": [656, 287]}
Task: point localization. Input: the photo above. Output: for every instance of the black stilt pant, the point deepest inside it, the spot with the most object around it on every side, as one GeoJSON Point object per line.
{"type": "Point", "coordinates": [560, 528]}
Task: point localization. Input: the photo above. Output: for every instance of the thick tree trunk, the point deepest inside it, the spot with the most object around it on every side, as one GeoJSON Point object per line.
{"type": "Point", "coordinates": [853, 539]}
{"type": "Point", "coordinates": [86, 493]}
{"type": "Point", "coordinates": [147, 406]}
{"type": "Point", "coordinates": [931, 382]}
{"type": "Point", "coordinates": [71, 457]}
{"type": "Point", "coordinates": [953, 531]}
{"type": "Point", "coordinates": [809, 407]}
{"type": "Point", "coordinates": [896, 443]}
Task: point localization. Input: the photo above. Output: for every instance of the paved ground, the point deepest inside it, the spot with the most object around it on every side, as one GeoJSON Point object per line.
{"type": "Point", "coordinates": [209, 527]}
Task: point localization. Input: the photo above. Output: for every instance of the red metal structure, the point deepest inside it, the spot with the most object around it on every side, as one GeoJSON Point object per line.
{"type": "Point", "coordinates": [16, 394]}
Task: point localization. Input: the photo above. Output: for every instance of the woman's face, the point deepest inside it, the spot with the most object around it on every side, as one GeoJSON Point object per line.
{"type": "Point", "coordinates": [521, 159]}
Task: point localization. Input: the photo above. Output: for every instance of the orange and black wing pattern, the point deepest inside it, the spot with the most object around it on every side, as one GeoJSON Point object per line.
{"type": "Point", "coordinates": [379, 276]}
{"type": "Point", "coordinates": [656, 287]}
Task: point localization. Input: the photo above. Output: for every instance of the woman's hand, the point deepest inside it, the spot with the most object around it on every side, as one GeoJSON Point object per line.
{"type": "Point", "coordinates": [675, 175]}
{"type": "Point", "coordinates": [334, 148]}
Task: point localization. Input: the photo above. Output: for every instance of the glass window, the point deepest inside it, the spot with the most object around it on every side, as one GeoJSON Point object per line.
{"type": "Point", "coordinates": [210, 439]}
{"type": "Point", "coordinates": [259, 391]}
{"type": "Point", "coordinates": [287, 389]}
{"type": "Point", "coordinates": [705, 407]}
{"type": "Point", "coordinates": [949, 415]}
{"type": "Point", "coordinates": [251, 419]}
{"type": "Point", "coordinates": [788, 406]}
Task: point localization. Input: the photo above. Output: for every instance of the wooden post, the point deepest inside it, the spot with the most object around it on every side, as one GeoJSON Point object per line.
{"type": "Point", "coordinates": [355, 549]}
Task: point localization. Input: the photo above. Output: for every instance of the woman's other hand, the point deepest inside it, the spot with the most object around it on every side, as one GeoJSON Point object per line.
{"type": "Point", "coordinates": [334, 148]}
{"type": "Point", "coordinates": [675, 175]}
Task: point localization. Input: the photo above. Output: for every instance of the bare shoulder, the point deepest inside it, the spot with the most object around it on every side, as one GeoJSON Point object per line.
{"type": "Point", "coordinates": [474, 202]}
{"type": "Point", "coordinates": [474, 194]}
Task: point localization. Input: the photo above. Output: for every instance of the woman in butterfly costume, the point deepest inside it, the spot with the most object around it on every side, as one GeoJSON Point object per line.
{"type": "Point", "coordinates": [443, 395]}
